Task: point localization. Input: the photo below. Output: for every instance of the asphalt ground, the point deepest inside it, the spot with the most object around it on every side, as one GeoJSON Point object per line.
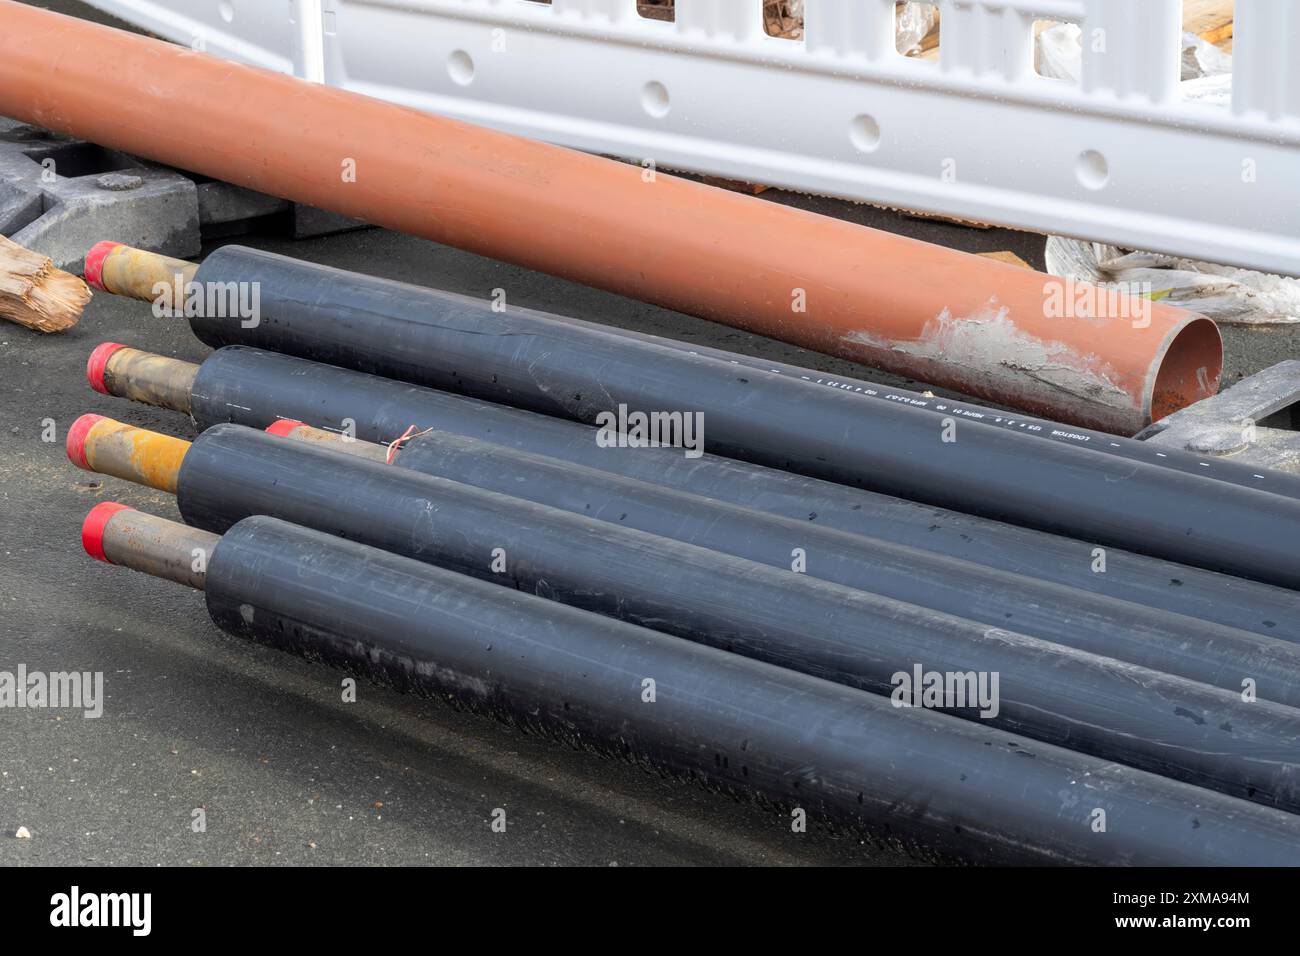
{"type": "Point", "coordinates": [284, 770]}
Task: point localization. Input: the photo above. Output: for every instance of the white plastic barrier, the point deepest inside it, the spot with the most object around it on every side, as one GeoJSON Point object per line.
{"type": "Point", "coordinates": [1121, 157]}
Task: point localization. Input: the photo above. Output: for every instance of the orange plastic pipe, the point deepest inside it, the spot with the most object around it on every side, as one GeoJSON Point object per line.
{"type": "Point", "coordinates": [945, 317]}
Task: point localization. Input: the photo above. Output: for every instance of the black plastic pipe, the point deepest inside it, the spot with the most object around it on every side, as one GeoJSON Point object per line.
{"type": "Point", "coordinates": [905, 775]}
{"type": "Point", "coordinates": [1096, 705]}
{"type": "Point", "coordinates": [255, 388]}
{"type": "Point", "coordinates": [1165, 642]}
{"type": "Point", "coordinates": [530, 361]}
{"type": "Point", "coordinates": [433, 302]}
{"type": "Point", "coordinates": [1235, 473]}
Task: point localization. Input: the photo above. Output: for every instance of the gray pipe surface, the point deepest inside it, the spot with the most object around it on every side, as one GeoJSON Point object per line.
{"type": "Point", "coordinates": [1169, 643]}
{"type": "Point", "coordinates": [1097, 705]}
{"type": "Point", "coordinates": [907, 775]}
{"type": "Point", "coordinates": [256, 388]}
{"type": "Point", "coordinates": [531, 361]}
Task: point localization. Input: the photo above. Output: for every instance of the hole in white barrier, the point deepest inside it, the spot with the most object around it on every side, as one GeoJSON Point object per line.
{"type": "Point", "coordinates": [1093, 170]}
{"type": "Point", "coordinates": [1211, 20]}
{"type": "Point", "coordinates": [917, 30]}
{"type": "Point", "coordinates": [864, 132]}
{"type": "Point", "coordinates": [657, 9]}
{"type": "Point", "coordinates": [654, 99]}
{"type": "Point", "coordinates": [1058, 50]}
{"type": "Point", "coordinates": [783, 19]}
{"type": "Point", "coordinates": [1206, 67]}
{"type": "Point", "coordinates": [460, 67]}
{"type": "Point", "coordinates": [227, 10]}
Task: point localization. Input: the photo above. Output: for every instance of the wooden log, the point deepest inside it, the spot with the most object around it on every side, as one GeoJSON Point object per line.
{"type": "Point", "coordinates": [35, 294]}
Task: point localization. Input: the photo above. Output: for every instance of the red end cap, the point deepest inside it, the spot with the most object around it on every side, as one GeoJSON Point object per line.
{"type": "Point", "coordinates": [92, 529]}
{"type": "Point", "coordinates": [76, 443]}
{"type": "Point", "coordinates": [98, 363]}
{"type": "Point", "coordinates": [283, 426]}
{"type": "Point", "coordinates": [94, 271]}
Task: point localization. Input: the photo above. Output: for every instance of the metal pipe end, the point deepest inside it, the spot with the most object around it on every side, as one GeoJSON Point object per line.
{"type": "Point", "coordinates": [284, 427]}
{"type": "Point", "coordinates": [300, 431]}
{"type": "Point", "coordinates": [98, 363]}
{"type": "Point", "coordinates": [118, 534]}
{"type": "Point", "coordinates": [109, 447]}
{"type": "Point", "coordinates": [75, 444]}
{"type": "Point", "coordinates": [94, 269]}
{"type": "Point", "coordinates": [120, 269]}
{"type": "Point", "coordinates": [96, 523]}
{"type": "Point", "coordinates": [145, 377]}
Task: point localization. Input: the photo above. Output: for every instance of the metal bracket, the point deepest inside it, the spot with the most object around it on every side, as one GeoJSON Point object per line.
{"type": "Point", "coordinates": [60, 196]}
{"type": "Point", "coordinates": [1255, 422]}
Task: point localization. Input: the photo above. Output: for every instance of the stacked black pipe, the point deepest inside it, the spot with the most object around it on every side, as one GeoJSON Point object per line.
{"type": "Point", "coordinates": [916, 779]}
{"type": "Point", "coordinates": [257, 388]}
{"type": "Point", "coordinates": [531, 361]}
{"type": "Point", "coordinates": [1133, 612]}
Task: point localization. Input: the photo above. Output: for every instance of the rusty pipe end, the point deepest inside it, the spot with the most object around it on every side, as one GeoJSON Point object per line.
{"type": "Point", "coordinates": [285, 427]}
{"type": "Point", "coordinates": [118, 534]}
{"type": "Point", "coordinates": [300, 431]}
{"type": "Point", "coordinates": [75, 444]}
{"type": "Point", "coordinates": [93, 272]}
{"type": "Point", "coordinates": [109, 447]}
{"type": "Point", "coordinates": [98, 363]}
{"type": "Point", "coordinates": [136, 274]}
{"type": "Point", "coordinates": [124, 372]}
